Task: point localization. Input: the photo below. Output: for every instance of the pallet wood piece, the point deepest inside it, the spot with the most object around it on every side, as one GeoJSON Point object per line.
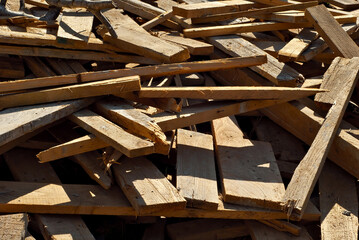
{"type": "Point", "coordinates": [319, 45]}
{"type": "Point", "coordinates": [75, 24]}
{"type": "Point", "coordinates": [194, 46]}
{"type": "Point", "coordinates": [260, 231]}
{"type": "Point", "coordinates": [112, 134]}
{"type": "Point", "coordinates": [155, 231]}
{"type": "Point", "coordinates": [283, 226]}
{"type": "Point", "coordinates": [122, 113]}
{"type": "Point", "coordinates": [238, 160]}
{"type": "Point", "coordinates": [59, 65]}
{"type": "Point", "coordinates": [313, 83]}
{"type": "Point", "coordinates": [275, 71]}
{"type": "Point", "coordinates": [253, 27]}
{"type": "Point", "coordinates": [207, 229]}
{"type": "Point", "coordinates": [157, 20]}
{"type": "Point", "coordinates": [196, 172]}
{"type": "Point", "coordinates": [145, 186]}
{"type": "Point", "coordinates": [76, 91]}
{"type": "Point", "coordinates": [76, 146]}
{"type": "Point", "coordinates": [23, 165]}
{"type": "Point", "coordinates": [13, 226]}
{"type": "Point", "coordinates": [38, 67]}
{"type": "Point", "coordinates": [145, 44]}
{"type": "Point", "coordinates": [301, 186]}
{"type": "Point", "coordinates": [11, 67]}
{"type": "Point", "coordinates": [148, 71]}
{"type": "Point", "coordinates": [15, 125]}
{"type": "Point", "coordinates": [76, 66]}
{"type": "Point", "coordinates": [91, 162]}
{"type": "Point", "coordinates": [295, 47]}
{"type": "Point", "coordinates": [38, 3]}
{"type": "Point", "coordinates": [329, 29]}
{"type": "Point", "coordinates": [338, 204]}
{"type": "Point", "coordinates": [225, 93]}
{"type": "Point", "coordinates": [345, 4]}
{"type": "Point", "coordinates": [197, 10]}
{"type": "Point", "coordinates": [252, 12]}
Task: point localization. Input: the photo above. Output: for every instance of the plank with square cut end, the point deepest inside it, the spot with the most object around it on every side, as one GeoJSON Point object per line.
{"type": "Point", "coordinates": [13, 226]}
{"type": "Point", "coordinates": [338, 204]}
{"type": "Point", "coordinates": [196, 171]}
{"type": "Point", "coordinates": [75, 24]}
{"type": "Point", "coordinates": [248, 169]}
{"type": "Point", "coordinates": [329, 29]}
{"type": "Point", "coordinates": [112, 134]}
{"type": "Point", "coordinates": [147, 189]}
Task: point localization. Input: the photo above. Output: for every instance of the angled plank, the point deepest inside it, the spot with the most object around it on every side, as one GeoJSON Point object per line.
{"type": "Point", "coordinates": [275, 71]}
{"type": "Point", "coordinates": [196, 171]}
{"type": "Point", "coordinates": [84, 90]}
{"type": "Point", "coordinates": [157, 20]}
{"type": "Point", "coordinates": [307, 173]}
{"type": "Point", "coordinates": [112, 134]}
{"type": "Point", "coordinates": [38, 67]}
{"type": "Point", "coordinates": [13, 226]}
{"type": "Point", "coordinates": [248, 169]}
{"type": "Point", "coordinates": [329, 29]}
{"type": "Point", "coordinates": [147, 189]}
{"type": "Point", "coordinates": [11, 67]}
{"type": "Point", "coordinates": [232, 93]}
{"type": "Point", "coordinates": [338, 204]}
{"type": "Point", "coordinates": [75, 24]}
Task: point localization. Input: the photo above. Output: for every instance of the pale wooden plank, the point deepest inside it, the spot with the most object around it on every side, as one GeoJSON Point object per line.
{"type": "Point", "coordinates": [329, 29]}
{"type": "Point", "coordinates": [157, 20]}
{"type": "Point", "coordinates": [76, 91]}
{"type": "Point", "coordinates": [275, 71]}
{"type": "Point", "coordinates": [112, 134]}
{"type": "Point", "coordinates": [248, 169]}
{"type": "Point", "coordinates": [338, 204]}
{"type": "Point", "coordinates": [145, 186]}
{"type": "Point", "coordinates": [13, 226]}
{"type": "Point", "coordinates": [196, 171]}
{"type": "Point", "coordinates": [307, 173]}
{"type": "Point", "coordinates": [75, 24]}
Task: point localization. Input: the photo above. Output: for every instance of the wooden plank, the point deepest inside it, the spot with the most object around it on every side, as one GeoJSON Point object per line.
{"type": "Point", "coordinates": [75, 24]}
{"type": "Point", "coordinates": [145, 44]}
{"type": "Point", "coordinates": [253, 27]}
{"type": "Point", "coordinates": [122, 113]}
{"type": "Point", "coordinates": [283, 226]}
{"type": "Point", "coordinates": [59, 65]}
{"type": "Point", "coordinates": [76, 146]}
{"type": "Point", "coordinates": [38, 67]}
{"type": "Point", "coordinates": [195, 47]}
{"type": "Point", "coordinates": [248, 169]}
{"type": "Point", "coordinates": [157, 20]}
{"type": "Point", "coordinates": [252, 12]}
{"type": "Point", "coordinates": [329, 29]}
{"type": "Point", "coordinates": [112, 134]}
{"type": "Point", "coordinates": [338, 204]}
{"type": "Point", "coordinates": [24, 167]}
{"type": "Point", "coordinates": [223, 93]}
{"type": "Point", "coordinates": [11, 67]}
{"type": "Point", "coordinates": [196, 171]}
{"type": "Point", "coordinates": [207, 229]}
{"type": "Point", "coordinates": [91, 162]}
{"type": "Point", "coordinates": [148, 71]}
{"type": "Point", "coordinates": [197, 10]}
{"type": "Point", "coordinates": [260, 231]}
{"type": "Point", "coordinates": [275, 71]}
{"type": "Point", "coordinates": [13, 226]}
{"type": "Point", "coordinates": [20, 121]}
{"type": "Point", "coordinates": [345, 4]}
{"type": "Point", "coordinates": [84, 90]}
{"type": "Point", "coordinates": [301, 185]}
{"type": "Point", "coordinates": [145, 186]}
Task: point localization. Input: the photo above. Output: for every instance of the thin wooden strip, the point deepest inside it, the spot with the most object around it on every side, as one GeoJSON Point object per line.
{"type": "Point", "coordinates": [112, 134]}
{"type": "Point", "coordinates": [283, 226]}
{"type": "Point", "coordinates": [157, 20]}
{"type": "Point", "coordinates": [71, 92]}
{"type": "Point", "coordinates": [145, 186]}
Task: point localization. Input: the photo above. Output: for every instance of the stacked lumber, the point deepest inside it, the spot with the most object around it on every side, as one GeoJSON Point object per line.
{"type": "Point", "coordinates": [179, 120]}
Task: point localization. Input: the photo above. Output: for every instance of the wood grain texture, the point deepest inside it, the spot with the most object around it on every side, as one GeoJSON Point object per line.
{"type": "Point", "coordinates": [13, 226]}
{"type": "Point", "coordinates": [147, 189]}
{"type": "Point", "coordinates": [196, 171]}
{"type": "Point", "coordinates": [338, 204]}
{"type": "Point", "coordinates": [248, 169]}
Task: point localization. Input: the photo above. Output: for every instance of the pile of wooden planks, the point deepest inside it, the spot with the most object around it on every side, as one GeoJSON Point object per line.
{"type": "Point", "coordinates": [131, 119]}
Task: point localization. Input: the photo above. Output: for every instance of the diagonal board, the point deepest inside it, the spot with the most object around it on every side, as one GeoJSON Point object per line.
{"type": "Point", "coordinates": [147, 189]}
{"type": "Point", "coordinates": [248, 169]}
{"type": "Point", "coordinates": [338, 204]}
{"type": "Point", "coordinates": [24, 167]}
{"type": "Point", "coordinates": [307, 173]}
{"type": "Point", "coordinates": [196, 171]}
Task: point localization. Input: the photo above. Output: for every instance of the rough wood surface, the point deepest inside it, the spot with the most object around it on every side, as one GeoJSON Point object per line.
{"type": "Point", "coordinates": [13, 226]}
{"type": "Point", "coordinates": [196, 171]}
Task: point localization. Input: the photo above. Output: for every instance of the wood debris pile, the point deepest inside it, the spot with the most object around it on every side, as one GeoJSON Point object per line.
{"type": "Point", "coordinates": [131, 119]}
